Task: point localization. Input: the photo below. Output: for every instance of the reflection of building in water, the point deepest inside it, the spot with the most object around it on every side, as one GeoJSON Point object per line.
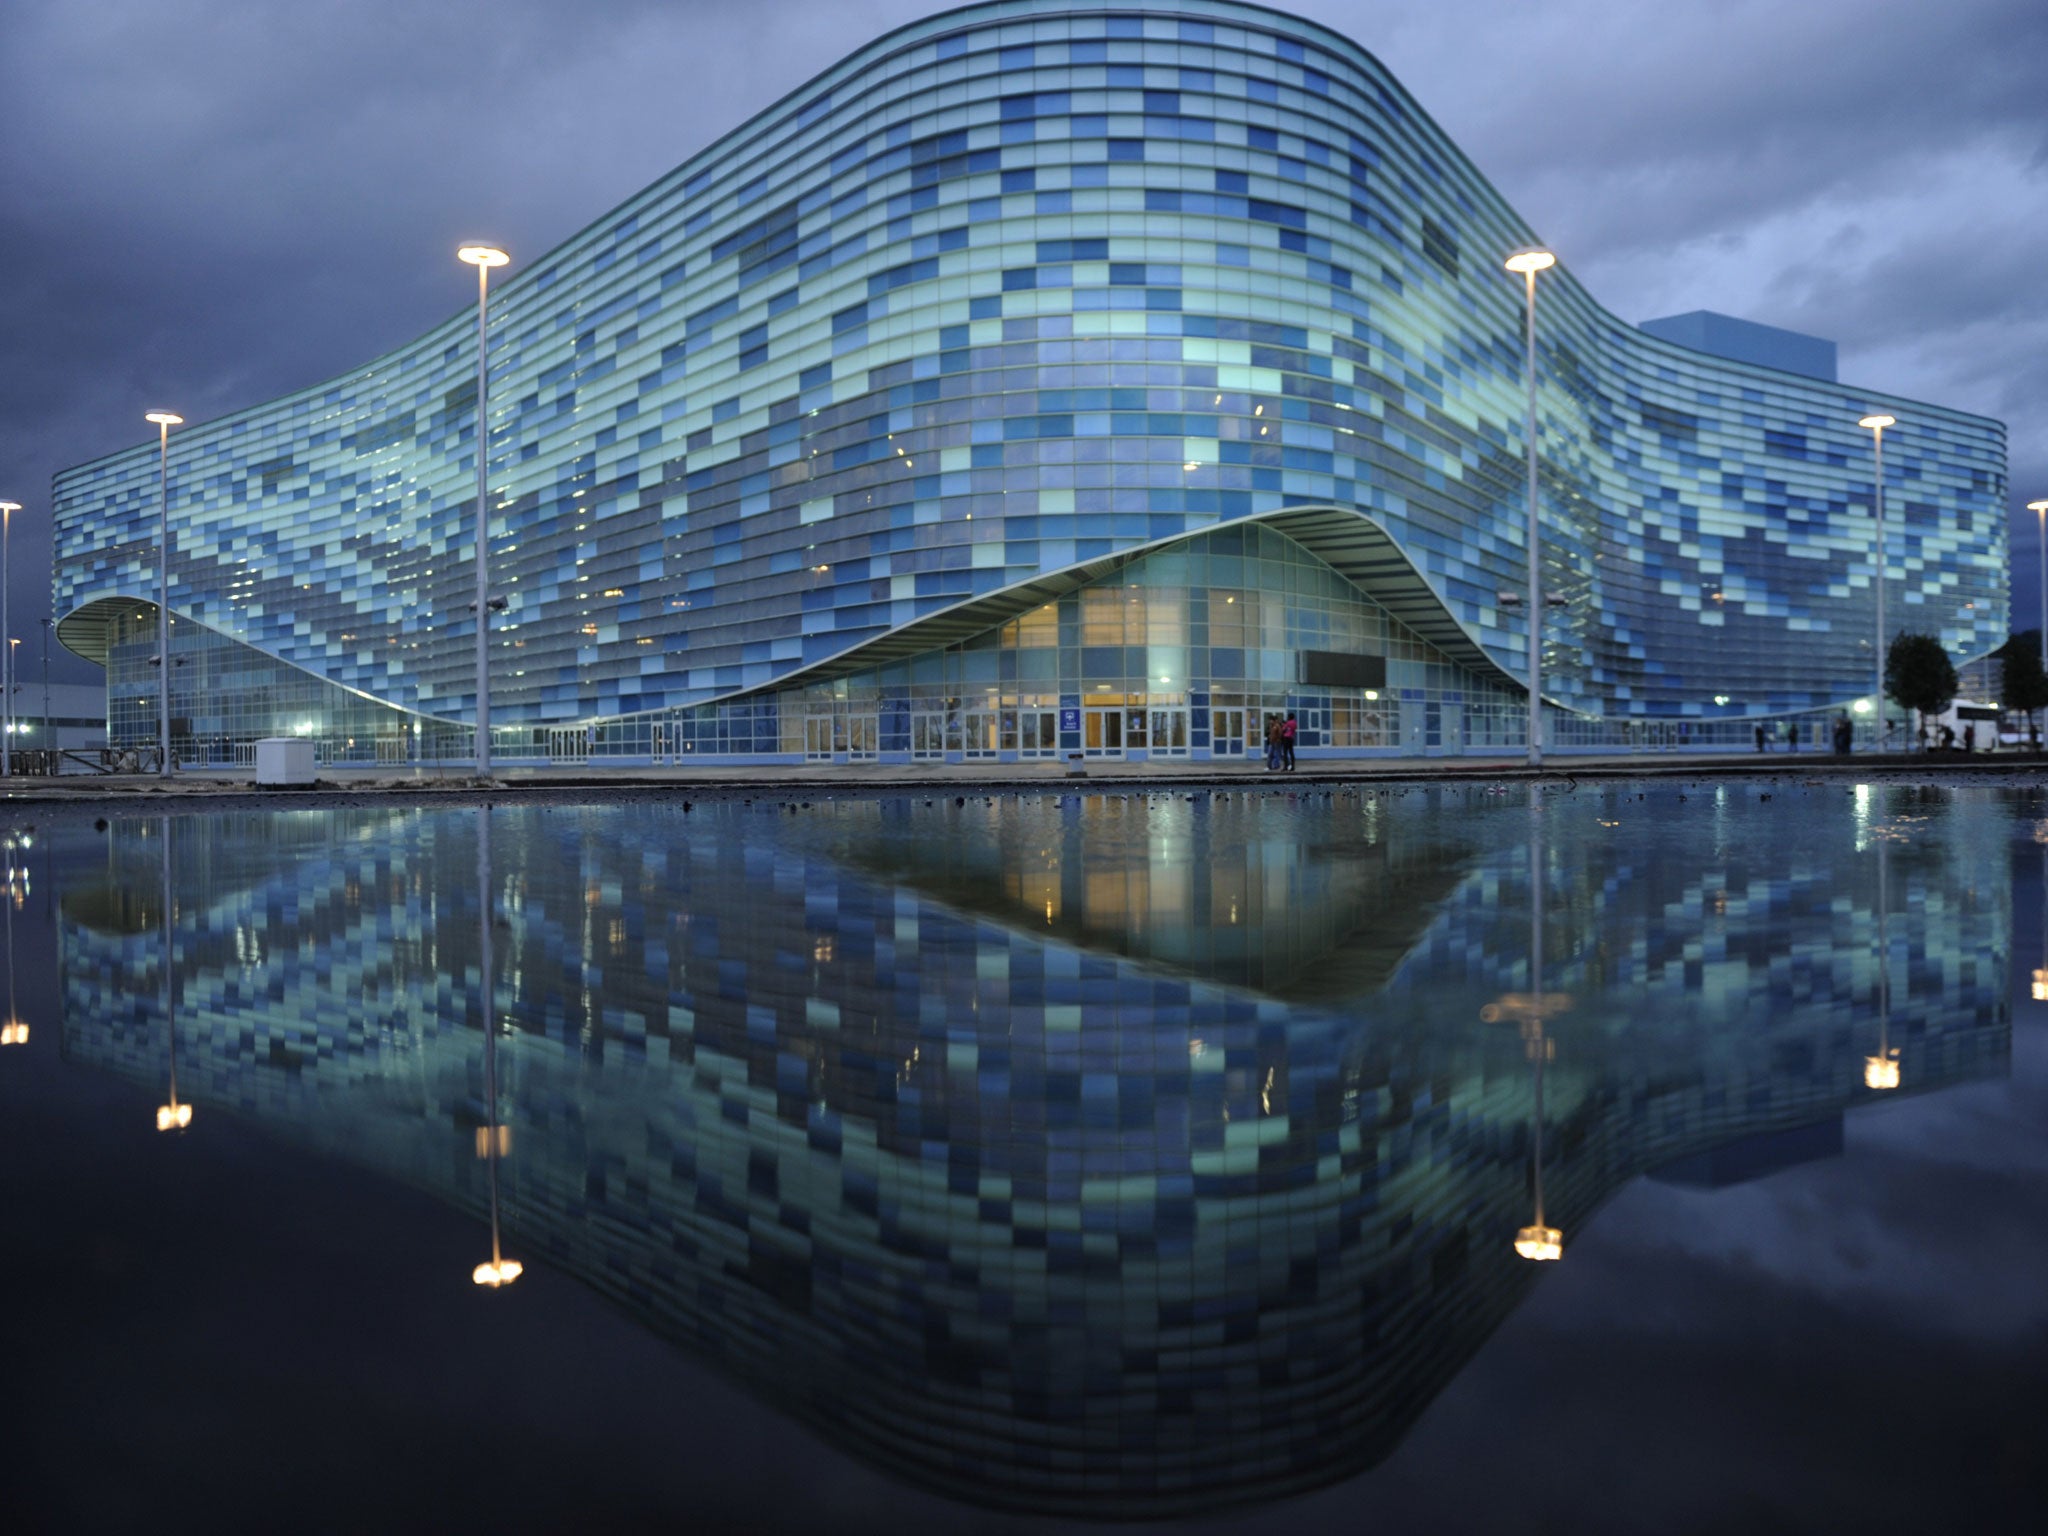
{"type": "Point", "coordinates": [1031, 1223]}
{"type": "Point", "coordinates": [1185, 881]}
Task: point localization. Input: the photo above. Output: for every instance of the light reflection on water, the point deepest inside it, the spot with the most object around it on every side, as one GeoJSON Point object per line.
{"type": "Point", "coordinates": [1107, 1153]}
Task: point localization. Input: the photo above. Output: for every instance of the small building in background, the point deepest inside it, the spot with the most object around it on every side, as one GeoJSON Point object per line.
{"type": "Point", "coordinates": [72, 717]}
{"type": "Point", "coordinates": [1745, 341]}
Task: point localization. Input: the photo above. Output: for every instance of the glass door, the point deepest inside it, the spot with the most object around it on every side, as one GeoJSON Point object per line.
{"type": "Point", "coordinates": [979, 733]}
{"type": "Point", "coordinates": [1102, 731]}
{"type": "Point", "coordinates": [1038, 733]}
{"type": "Point", "coordinates": [862, 733]}
{"type": "Point", "coordinates": [1169, 732]}
{"type": "Point", "coordinates": [817, 738]}
{"type": "Point", "coordinates": [928, 735]}
{"type": "Point", "coordinates": [1226, 732]}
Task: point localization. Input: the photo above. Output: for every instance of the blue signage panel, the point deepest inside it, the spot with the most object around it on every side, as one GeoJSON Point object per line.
{"type": "Point", "coordinates": [1070, 719]}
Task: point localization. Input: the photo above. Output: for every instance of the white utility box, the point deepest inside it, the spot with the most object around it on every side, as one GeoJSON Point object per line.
{"type": "Point", "coordinates": [284, 760]}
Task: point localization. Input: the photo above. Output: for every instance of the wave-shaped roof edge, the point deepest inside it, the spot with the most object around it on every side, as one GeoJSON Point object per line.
{"type": "Point", "coordinates": [83, 632]}
{"type": "Point", "coordinates": [1349, 541]}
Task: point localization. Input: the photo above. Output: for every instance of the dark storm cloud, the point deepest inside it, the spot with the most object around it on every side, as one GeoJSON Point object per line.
{"type": "Point", "coordinates": [208, 205]}
{"type": "Point", "coordinates": [1715, 118]}
{"type": "Point", "coordinates": [1874, 173]}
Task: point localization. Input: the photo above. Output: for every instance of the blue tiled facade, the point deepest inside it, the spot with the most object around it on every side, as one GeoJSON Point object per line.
{"type": "Point", "coordinates": [1003, 300]}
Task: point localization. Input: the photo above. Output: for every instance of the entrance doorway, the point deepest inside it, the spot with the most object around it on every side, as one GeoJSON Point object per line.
{"type": "Point", "coordinates": [568, 744]}
{"type": "Point", "coordinates": [1226, 732]}
{"type": "Point", "coordinates": [931, 734]}
{"type": "Point", "coordinates": [818, 744]}
{"type": "Point", "coordinates": [980, 730]}
{"type": "Point", "coordinates": [1169, 731]}
{"type": "Point", "coordinates": [1102, 731]}
{"type": "Point", "coordinates": [1031, 732]}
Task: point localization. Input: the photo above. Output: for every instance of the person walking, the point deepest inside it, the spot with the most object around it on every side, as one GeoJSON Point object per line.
{"type": "Point", "coordinates": [1759, 736]}
{"type": "Point", "coordinates": [1791, 735]}
{"type": "Point", "coordinates": [1272, 743]}
{"type": "Point", "coordinates": [1287, 743]}
{"type": "Point", "coordinates": [1969, 736]}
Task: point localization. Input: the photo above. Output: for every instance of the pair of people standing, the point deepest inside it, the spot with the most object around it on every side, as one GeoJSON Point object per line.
{"type": "Point", "coordinates": [1766, 734]}
{"type": "Point", "coordinates": [1280, 744]}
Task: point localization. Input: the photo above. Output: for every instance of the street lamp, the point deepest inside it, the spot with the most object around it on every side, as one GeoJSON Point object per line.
{"type": "Point", "coordinates": [483, 258]}
{"type": "Point", "coordinates": [49, 742]}
{"type": "Point", "coordinates": [164, 421]}
{"type": "Point", "coordinates": [1876, 425]}
{"type": "Point", "coordinates": [1529, 262]}
{"type": "Point", "coordinates": [7, 511]}
{"type": "Point", "coordinates": [2040, 511]}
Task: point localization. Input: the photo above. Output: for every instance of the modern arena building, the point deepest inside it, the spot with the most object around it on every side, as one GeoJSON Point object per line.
{"type": "Point", "coordinates": [1045, 377]}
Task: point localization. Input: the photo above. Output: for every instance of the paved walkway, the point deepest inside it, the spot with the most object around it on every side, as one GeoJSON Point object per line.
{"type": "Point", "coordinates": [1101, 774]}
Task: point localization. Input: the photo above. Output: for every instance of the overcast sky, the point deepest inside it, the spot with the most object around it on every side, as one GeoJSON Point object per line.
{"type": "Point", "coordinates": [206, 205]}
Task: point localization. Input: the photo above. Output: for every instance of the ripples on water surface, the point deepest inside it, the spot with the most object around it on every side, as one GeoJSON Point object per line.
{"type": "Point", "coordinates": [1045, 1157]}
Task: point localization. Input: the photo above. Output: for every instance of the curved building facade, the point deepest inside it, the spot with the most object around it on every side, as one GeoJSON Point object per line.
{"type": "Point", "coordinates": [1043, 377]}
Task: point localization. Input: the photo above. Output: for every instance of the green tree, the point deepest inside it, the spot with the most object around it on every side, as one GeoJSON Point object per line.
{"type": "Point", "coordinates": [1919, 676]}
{"type": "Point", "coordinates": [2025, 685]}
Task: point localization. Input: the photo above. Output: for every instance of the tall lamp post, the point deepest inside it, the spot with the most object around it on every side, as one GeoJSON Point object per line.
{"type": "Point", "coordinates": [1529, 262]}
{"type": "Point", "coordinates": [1876, 425]}
{"type": "Point", "coordinates": [163, 421]}
{"type": "Point", "coordinates": [483, 258]}
{"type": "Point", "coordinates": [49, 742]}
{"type": "Point", "coordinates": [7, 511]}
{"type": "Point", "coordinates": [2040, 511]}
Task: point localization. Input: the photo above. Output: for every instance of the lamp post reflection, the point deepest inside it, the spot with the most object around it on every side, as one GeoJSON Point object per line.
{"type": "Point", "coordinates": [1882, 1070]}
{"type": "Point", "coordinates": [2041, 970]}
{"type": "Point", "coordinates": [172, 1116]}
{"type": "Point", "coordinates": [493, 1140]}
{"type": "Point", "coordinates": [1528, 1011]}
{"type": "Point", "coordinates": [13, 1030]}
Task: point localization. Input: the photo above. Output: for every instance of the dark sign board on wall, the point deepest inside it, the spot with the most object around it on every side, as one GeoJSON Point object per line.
{"type": "Point", "coordinates": [1342, 669]}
